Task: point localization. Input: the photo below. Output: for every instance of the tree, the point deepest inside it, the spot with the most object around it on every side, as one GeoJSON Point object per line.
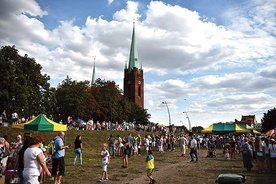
{"type": "Point", "coordinates": [22, 86]}
{"type": "Point", "coordinates": [108, 104]}
{"type": "Point", "coordinates": [72, 99]}
{"type": "Point", "coordinates": [269, 120]}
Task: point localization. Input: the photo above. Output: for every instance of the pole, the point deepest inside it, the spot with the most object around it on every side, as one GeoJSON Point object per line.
{"type": "Point", "coordinates": [168, 112]}
{"type": "Point", "coordinates": [188, 120]}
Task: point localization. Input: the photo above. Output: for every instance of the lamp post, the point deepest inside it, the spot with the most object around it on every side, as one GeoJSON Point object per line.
{"type": "Point", "coordinates": [188, 120]}
{"type": "Point", "coordinates": [168, 112]}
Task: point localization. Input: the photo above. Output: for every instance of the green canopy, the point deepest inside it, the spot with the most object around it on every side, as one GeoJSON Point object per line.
{"type": "Point", "coordinates": [41, 123]}
{"type": "Point", "coordinates": [223, 128]}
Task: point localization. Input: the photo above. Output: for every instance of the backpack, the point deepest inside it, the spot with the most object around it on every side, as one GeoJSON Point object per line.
{"type": "Point", "coordinates": [51, 147]}
{"type": "Point", "coordinates": [111, 140]}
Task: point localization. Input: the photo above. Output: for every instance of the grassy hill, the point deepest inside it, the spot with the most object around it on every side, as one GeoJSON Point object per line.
{"type": "Point", "coordinates": [92, 143]}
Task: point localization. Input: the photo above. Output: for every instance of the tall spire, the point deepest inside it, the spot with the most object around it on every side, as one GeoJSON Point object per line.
{"type": "Point", "coordinates": [93, 75]}
{"type": "Point", "coordinates": [133, 56]}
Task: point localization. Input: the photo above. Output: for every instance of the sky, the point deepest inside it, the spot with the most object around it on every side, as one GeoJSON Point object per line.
{"type": "Point", "coordinates": [213, 59]}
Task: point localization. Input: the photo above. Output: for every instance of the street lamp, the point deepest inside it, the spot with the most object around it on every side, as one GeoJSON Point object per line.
{"type": "Point", "coordinates": [168, 112]}
{"type": "Point", "coordinates": [188, 120]}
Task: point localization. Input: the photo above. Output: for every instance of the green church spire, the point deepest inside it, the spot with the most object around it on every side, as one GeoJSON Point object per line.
{"type": "Point", "coordinates": [133, 57]}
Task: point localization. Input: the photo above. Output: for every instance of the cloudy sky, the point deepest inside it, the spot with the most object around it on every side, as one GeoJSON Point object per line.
{"type": "Point", "coordinates": [214, 59]}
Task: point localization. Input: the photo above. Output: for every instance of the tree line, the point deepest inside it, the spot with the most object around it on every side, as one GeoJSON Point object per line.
{"type": "Point", "coordinates": [23, 89]}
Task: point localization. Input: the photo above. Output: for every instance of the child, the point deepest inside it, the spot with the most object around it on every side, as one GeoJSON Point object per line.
{"type": "Point", "coordinates": [105, 161]}
{"type": "Point", "coordinates": [150, 166]}
{"type": "Point", "coordinates": [227, 155]}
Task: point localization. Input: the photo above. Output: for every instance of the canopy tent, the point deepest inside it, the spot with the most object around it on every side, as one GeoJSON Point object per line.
{"type": "Point", "coordinates": [41, 123]}
{"type": "Point", "coordinates": [250, 129]}
{"type": "Point", "coordinates": [224, 128]}
{"type": "Point", "coordinates": [246, 126]}
{"type": "Point", "coordinates": [255, 132]}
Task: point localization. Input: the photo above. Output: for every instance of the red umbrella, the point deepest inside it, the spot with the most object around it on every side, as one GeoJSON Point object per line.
{"type": "Point", "coordinates": [270, 133]}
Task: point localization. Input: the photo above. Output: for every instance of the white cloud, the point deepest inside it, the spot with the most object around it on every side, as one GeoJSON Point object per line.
{"type": "Point", "coordinates": [129, 13]}
{"type": "Point", "coordinates": [219, 69]}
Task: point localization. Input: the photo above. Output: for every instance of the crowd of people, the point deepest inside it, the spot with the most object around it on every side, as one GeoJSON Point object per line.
{"type": "Point", "coordinates": [79, 124]}
{"type": "Point", "coordinates": [260, 149]}
{"type": "Point", "coordinates": [27, 158]}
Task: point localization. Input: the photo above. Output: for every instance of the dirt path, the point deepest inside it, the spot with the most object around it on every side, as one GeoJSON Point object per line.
{"type": "Point", "coordinates": [176, 169]}
{"type": "Point", "coordinates": [172, 169]}
{"type": "Point", "coordinates": [161, 174]}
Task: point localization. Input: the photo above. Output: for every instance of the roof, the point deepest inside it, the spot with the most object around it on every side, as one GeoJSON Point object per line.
{"type": "Point", "coordinates": [133, 56]}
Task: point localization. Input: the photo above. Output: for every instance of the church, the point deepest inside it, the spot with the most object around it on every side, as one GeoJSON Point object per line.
{"type": "Point", "coordinates": [133, 75]}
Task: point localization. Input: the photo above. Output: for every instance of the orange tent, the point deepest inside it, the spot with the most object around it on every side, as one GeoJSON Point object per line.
{"type": "Point", "coordinates": [270, 133]}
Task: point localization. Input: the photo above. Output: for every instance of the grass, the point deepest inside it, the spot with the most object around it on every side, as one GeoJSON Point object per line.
{"type": "Point", "coordinates": [170, 168]}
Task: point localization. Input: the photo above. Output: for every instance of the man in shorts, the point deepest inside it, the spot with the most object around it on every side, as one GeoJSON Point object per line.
{"type": "Point", "coordinates": [58, 163]}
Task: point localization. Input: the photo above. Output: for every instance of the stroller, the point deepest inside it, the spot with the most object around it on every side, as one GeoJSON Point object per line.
{"type": "Point", "coordinates": [211, 150]}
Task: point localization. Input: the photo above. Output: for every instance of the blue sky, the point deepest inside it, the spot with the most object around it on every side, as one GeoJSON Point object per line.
{"type": "Point", "coordinates": [214, 59]}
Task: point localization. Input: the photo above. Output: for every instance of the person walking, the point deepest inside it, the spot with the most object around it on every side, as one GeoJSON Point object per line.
{"type": "Point", "coordinates": [260, 150]}
{"type": "Point", "coordinates": [267, 157]}
{"type": "Point", "coordinates": [111, 145]}
{"type": "Point", "coordinates": [125, 152]}
{"type": "Point", "coordinates": [19, 162]}
{"type": "Point", "coordinates": [34, 162]}
{"type": "Point", "coordinates": [131, 145]}
{"type": "Point", "coordinates": [247, 155]}
{"type": "Point", "coordinates": [150, 166]}
{"type": "Point", "coordinates": [4, 117]}
{"type": "Point", "coordinates": [193, 149]}
{"type": "Point", "coordinates": [58, 163]}
{"type": "Point", "coordinates": [272, 155]}
{"type": "Point", "coordinates": [233, 146]}
{"type": "Point", "coordinates": [120, 146]}
{"type": "Point", "coordinates": [78, 150]}
{"type": "Point", "coordinates": [105, 161]}
{"type": "Point", "coordinates": [139, 143]}
{"type": "Point", "coordinates": [182, 143]}
{"type": "Point", "coordinates": [173, 140]}
{"type": "Point", "coordinates": [6, 155]}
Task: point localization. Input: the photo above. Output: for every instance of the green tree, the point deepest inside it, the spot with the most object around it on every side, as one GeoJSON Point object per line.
{"type": "Point", "coordinates": [269, 120]}
{"type": "Point", "coordinates": [22, 86]}
{"type": "Point", "coordinates": [108, 104]}
{"type": "Point", "coordinates": [72, 99]}
{"type": "Point", "coordinates": [138, 114]}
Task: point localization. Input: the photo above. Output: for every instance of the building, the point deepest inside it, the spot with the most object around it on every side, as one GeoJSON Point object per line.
{"type": "Point", "coordinates": [248, 119]}
{"type": "Point", "coordinates": [133, 75]}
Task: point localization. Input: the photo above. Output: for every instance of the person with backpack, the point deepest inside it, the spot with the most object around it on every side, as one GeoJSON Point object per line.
{"type": "Point", "coordinates": [58, 163]}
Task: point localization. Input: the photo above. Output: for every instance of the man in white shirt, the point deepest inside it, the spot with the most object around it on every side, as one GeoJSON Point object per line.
{"type": "Point", "coordinates": [193, 148]}
{"type": "Point", "coordinates": [182, 142]}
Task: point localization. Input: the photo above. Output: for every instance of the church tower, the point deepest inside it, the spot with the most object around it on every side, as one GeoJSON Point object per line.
{"type": "Point", "coordinates": [133, 75]}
